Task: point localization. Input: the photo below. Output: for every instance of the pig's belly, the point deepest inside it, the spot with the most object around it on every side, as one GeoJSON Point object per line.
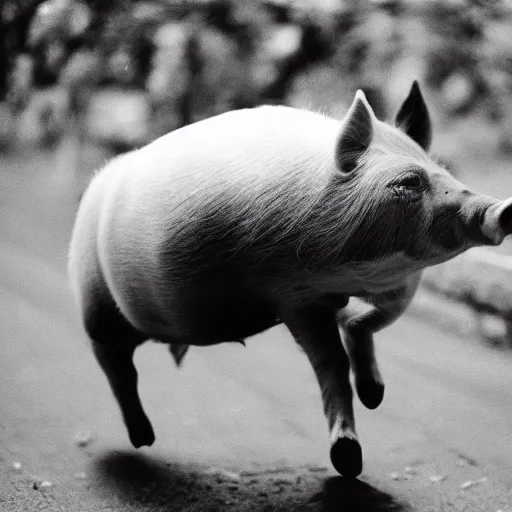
{"type": "Point", "coordinates": [210, 322]}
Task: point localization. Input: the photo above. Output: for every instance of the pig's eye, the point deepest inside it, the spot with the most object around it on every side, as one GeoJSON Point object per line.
{"type": "Point", "coordinates": [409, 186]}
{"type": "Point", "coordinates": [412, 181]}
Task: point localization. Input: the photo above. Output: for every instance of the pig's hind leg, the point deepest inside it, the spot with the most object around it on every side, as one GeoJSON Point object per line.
{"type": "Point", "coordinates": [114, 341]}
{"type": "Point", "coordinates": [359, 322]}
{"type": "Point", "coordinates": [316, 331]}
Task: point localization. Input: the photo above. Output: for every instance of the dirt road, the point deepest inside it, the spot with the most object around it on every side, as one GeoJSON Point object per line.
{"type": "Point", "coordinates": [237, 428]}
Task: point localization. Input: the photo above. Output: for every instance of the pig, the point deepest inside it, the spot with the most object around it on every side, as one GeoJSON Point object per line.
{"type": "Point", "coordinates": [273, 215]}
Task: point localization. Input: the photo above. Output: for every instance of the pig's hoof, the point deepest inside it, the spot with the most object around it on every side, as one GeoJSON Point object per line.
{"type": "Point", "coordinates": [347, 457]}
{"type": "Point", "coordinates": [371, 392]}
{"type": "Point", "coordinates": [141, 434]}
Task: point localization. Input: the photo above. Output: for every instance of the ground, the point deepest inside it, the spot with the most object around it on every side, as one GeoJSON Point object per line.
{"type": "Point", "coordinates": [237, 428]}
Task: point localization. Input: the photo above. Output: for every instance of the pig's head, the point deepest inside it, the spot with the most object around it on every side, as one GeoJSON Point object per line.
{"type": "Point", "coordinates": [403, 201]}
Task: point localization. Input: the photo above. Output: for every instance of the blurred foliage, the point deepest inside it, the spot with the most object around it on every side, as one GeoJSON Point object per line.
{"type": "Point", "coordinates": [196, 58]}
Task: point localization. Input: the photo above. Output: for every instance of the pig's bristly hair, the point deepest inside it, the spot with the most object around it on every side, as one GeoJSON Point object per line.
{"type": "Point", "coordinates": [317, 225]}
{"type": "Point", "coordinates": [248, 213]}
{"type": "Point", "coordinates": [310, 210]}
{"type": "Point", "coordinates": [347, 216]}
{"type": "Point", "coordinates": [320, 216]}
{"type": "Point", "coordinates": [359, 219]}
{"type": "Point", "coordinates": [278, 213]}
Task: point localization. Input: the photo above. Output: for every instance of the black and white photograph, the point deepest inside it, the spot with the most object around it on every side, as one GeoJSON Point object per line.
{"type": "Point", "coordinates": [255, 255]}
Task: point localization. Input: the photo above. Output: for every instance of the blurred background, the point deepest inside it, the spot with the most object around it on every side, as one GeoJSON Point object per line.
{"type": "Point", "coordinates": [84, 80]}
{"type": "Point", "coordinates": [122, 72]}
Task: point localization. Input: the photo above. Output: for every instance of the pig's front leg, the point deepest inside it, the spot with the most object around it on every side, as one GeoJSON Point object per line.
{"type": "Point", "coordinates": [358, 322]}
{"type": "Point", "coordinates": [316, 331]}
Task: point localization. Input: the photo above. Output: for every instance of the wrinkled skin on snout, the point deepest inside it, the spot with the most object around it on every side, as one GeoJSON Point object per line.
{"type": "Point", "coordinates": [230, 226]}
{"type": "Point", "coordinates": [459, 218]}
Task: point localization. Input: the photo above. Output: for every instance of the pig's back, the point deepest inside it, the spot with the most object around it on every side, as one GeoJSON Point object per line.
{"type": "Point", "coordinates": [240, 148]}
{"type": "Point", "coordinates": [175, 230]}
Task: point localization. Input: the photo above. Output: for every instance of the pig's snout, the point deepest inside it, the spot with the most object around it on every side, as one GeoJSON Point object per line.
{"type": "Point", "coordinates": [497, 222]}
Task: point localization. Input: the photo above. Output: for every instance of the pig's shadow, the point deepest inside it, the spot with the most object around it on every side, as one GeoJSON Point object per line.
{"type": "Point", "coordinates": [142, 483]}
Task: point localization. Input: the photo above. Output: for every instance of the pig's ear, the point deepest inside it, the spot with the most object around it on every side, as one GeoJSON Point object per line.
{"type": "Point", "coordinates": [356, 134]}
{"type": "Point", "coordinates": [413, 118]}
